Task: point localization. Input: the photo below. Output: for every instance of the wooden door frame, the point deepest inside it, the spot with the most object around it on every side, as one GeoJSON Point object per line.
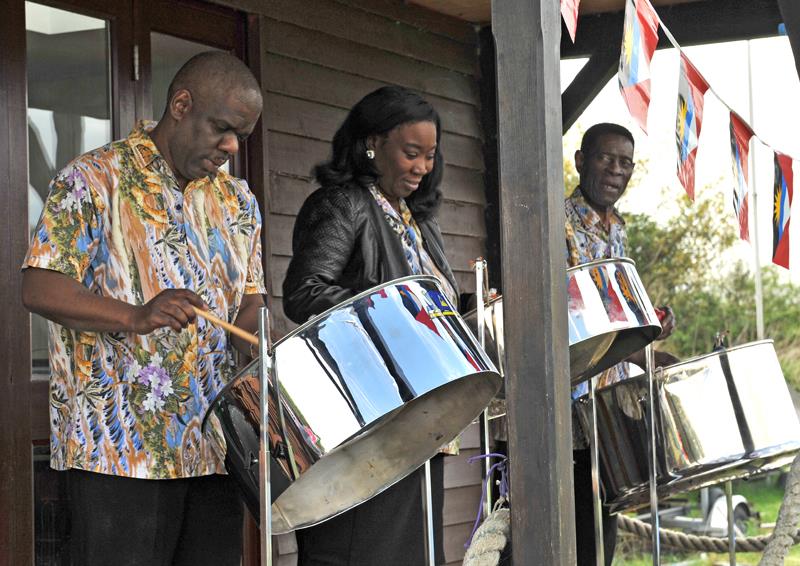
{"type": "Point", "coordinates": [16, 509]}
{"type": "Point", "coordinates": [16, 386]}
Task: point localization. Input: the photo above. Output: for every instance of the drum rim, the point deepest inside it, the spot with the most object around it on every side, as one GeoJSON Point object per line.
{"type": "Point", "coordinates": [593, 263]}
{"type": "Point", "coordinates": [660, 375]}
{"type": "Point", "coordinates": [313, 320]}
{"type": "Point", "coordinates": [596, 262]}
{"type": "Point", "coordinates": [307, 324]}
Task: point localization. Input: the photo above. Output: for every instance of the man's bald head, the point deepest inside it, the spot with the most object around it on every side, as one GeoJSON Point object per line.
{"type": "Point", "coordinates": [214, 103]}
{"type": "Point", "coordinates": [212, 74]}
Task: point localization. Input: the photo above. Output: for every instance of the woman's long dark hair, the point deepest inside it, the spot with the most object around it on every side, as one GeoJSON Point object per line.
{"type": "Point", "coordinates": [377, 114]}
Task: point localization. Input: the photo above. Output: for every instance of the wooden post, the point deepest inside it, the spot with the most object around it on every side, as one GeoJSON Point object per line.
{"type": "Point", "coordinates": [534, 280]}
{"type": "Point", "coordinates": [16, 463]}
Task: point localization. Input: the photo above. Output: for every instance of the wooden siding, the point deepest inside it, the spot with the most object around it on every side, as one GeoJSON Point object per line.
{"type": "Point", "coordinates": [321, 57]}
{"type": "Point", "coordinates": [319, 61]}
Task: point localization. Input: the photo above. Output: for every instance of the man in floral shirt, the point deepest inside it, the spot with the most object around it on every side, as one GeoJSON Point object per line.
{"type": "Point", "coordinates": [133, 237]}
{"type": "Point", "coordinates": [596, 230]}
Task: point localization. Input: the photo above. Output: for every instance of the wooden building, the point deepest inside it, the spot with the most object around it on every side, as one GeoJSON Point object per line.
{"type": "Point", "coordinates": [77, 73]}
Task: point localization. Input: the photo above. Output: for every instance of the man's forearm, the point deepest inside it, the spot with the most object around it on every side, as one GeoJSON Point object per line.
{"type": "Point", "coordinates": [61, 299]}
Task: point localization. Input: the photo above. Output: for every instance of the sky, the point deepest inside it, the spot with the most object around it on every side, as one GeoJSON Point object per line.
{"type": "Point", "coordinates": [775, 119]}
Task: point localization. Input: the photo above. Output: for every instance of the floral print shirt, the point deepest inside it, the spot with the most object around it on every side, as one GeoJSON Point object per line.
{"type": "Point", "coordinates": [117, 222]}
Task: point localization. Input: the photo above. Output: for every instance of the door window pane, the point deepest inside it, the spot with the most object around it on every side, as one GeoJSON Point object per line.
{"type": "Point", "coordinates": [69, 108]}
{"type": "Point", "coordinates": [168, 54]}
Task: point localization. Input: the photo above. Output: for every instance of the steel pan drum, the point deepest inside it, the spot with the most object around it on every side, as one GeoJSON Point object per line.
{"type": "Point", "coordinates": [721, 416]}
{"type": "Point", "coordinates": [610, 317]}
{"type": "Point", "coordinates": [370, 389]}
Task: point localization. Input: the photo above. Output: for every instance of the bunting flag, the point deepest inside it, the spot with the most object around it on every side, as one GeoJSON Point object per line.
{"type": "Point", "coordinates": [740, 150]}
{"type": "Point", "coordinates": [569, 11]}
{"type": "Point", "coordinates": [639, 40]}
{"type": "Point", "coordinates": [781, 210]}
{"type": "Point", "coordinates": [692, 88]}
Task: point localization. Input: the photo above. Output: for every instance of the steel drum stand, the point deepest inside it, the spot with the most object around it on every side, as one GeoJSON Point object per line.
{"type": "Point", "coordinates": [599, 550]}
{"type": "Point", "coordinates": [731, 522]}
{"type": "Point", "coordinates": [651, 453]}
{"type": "Point", "coordinates": [651, 465]}
{"type": "Point", "coordinates": [480, 275]}
{"type": "Point", "coordinates": [427, 509]}
{"type": "Point", "coordinates": [266, 370]}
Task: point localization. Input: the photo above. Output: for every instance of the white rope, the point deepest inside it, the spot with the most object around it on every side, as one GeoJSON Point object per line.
{"type": "Point", "coordinates": [494, 533]}
{"type": "Point", "coordinates": [490, 539]}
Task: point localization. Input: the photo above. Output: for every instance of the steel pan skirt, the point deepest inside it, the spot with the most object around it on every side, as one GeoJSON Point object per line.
{"type": "Point", "coordinates": [369, 391]}
{"type": "Point", "coordinates": [610, 316]}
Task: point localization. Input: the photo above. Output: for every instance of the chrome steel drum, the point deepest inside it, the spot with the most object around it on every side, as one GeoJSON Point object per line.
{"type": "Point", "coordinates": [370, 389]}
{"type": "Point", "coordinates": [610, 317]}
{"type": "Point", "coordinates": [721, 416]}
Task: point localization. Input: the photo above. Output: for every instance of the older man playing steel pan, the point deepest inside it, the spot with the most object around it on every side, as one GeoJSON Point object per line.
{"type": "Point", "coordinates": [596, 230]}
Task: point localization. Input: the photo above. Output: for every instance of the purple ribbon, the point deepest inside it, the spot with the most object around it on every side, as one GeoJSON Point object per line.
{"type": "Point", "coordinates": [503, 488]}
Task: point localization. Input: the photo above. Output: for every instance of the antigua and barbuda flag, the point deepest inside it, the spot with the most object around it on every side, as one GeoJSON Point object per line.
{"type": "Point", "coordinates": [569, 11]}
{"type": "Point", "coordinates": [781, 209]}
{"type": "Point", "coordinates": [639, 40]}
{"type": "Point", "coordinates": [692, 88]}
{"type": "Point", "coordinates": [740, 150]}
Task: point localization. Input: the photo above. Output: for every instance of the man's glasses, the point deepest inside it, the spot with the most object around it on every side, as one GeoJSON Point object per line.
{"type": "Point", "coordinates": [606, 159]}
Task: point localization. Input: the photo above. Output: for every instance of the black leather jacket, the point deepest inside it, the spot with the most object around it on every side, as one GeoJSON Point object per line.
{"type": "Point", "coordinates": [343, 245]}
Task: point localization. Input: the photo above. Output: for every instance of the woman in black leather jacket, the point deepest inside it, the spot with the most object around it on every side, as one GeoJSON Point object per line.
{"type": "Point", "coordinates": [372, 221]}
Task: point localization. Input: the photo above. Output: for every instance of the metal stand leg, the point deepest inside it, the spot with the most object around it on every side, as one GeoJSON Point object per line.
{"type": "Point", "coordinates": [427, 508]}
{"type": "Point", "coordinates": [731, 523]}
{"type": "Point", "coordinates": [651, 454]}
{"type": "Point", "coordinates": [265, 496]}
{"type": "Point", "coordinates": [480, 275]}
{"type": "Point", "coordinates": [599, 550]}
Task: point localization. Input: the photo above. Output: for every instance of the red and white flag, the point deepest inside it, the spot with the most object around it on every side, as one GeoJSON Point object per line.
{"type": "Point", "coordinates": [639, 40]}
{"type": "Point", "coordinates": [692, 88]}
{"type": "Point", "coordinates": [569, 11]}
{"type": "Point", "coordinates": [741, 134]}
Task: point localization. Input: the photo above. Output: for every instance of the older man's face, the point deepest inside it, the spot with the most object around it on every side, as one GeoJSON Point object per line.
{"type": "Point", "coordinates": [606, 169]}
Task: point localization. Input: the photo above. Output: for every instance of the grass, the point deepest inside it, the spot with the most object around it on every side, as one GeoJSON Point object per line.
{"type": "Point", "coordinates": [764, 496]}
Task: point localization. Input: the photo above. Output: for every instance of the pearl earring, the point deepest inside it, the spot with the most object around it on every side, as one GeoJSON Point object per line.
{"type": "Point", "coordinates": [370, 154]}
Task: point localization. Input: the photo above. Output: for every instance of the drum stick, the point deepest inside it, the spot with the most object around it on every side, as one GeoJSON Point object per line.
{"type": "Point", "coordinates": [235, 330]}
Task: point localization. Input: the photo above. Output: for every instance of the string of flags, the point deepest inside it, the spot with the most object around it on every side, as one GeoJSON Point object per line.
{"type": "Point", "coordinates": [639, 41]}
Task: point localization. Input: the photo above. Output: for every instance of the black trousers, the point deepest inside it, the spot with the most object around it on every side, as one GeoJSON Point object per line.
{"type": "Point", "coordinates": [584, 514]}
{"type": "Point", "coordinates": [387, 530]}
{"type": "Point", "coordinates": [133, 522]}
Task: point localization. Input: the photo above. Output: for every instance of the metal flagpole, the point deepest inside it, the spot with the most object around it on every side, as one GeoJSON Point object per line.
{"type": "Point", "coordinates": [265, 367]}
{"type": "Point", "coordinates": [754, 234]}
